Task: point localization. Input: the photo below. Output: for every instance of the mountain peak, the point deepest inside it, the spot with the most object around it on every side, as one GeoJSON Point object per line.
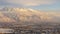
{"type": "Point", "coordinates": [15, 9]}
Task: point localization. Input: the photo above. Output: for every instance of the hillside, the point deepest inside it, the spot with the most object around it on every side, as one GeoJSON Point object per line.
{"type": "Point", "coordinates": [27, 16]}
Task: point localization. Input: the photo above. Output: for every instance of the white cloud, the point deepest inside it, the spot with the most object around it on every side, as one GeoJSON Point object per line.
{"type": "Point", "coordinates": [31, 2]}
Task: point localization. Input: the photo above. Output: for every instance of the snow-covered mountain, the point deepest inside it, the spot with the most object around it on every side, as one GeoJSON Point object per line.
{"type": "Point", "coordinates": [27, 16]}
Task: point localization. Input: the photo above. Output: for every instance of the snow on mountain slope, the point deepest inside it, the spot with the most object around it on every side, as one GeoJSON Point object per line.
{"type": "Point", "coordinates": [27, 16]}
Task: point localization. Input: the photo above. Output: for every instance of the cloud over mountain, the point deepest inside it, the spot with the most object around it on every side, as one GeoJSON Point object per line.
{"type": "Point", "coordinates": [29, 2]}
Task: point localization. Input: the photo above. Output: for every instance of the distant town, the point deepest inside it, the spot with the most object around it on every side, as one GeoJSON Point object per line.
{"type": "Point", "coordinates": [31, 29]}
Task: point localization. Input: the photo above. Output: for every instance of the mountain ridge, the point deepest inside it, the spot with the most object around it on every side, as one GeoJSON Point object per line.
{"type": "Point", "coordinates": [27, 16]}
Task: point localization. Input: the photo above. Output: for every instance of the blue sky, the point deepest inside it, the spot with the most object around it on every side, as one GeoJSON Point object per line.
{"type": "Point", "coordinates": [34, 4]}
